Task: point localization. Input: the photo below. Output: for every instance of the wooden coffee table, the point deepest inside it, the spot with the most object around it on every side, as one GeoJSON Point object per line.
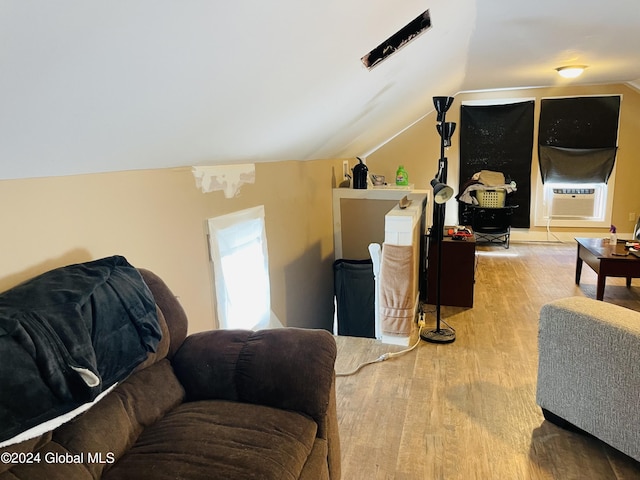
{"type": "Point", "coordinates": [599, 255]}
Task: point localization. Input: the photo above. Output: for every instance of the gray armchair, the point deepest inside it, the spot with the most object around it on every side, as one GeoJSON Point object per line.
{"type": "Point", "coordinates": [589, 370]}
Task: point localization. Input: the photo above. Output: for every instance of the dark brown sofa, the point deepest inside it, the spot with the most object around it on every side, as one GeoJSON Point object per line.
{"type": "Point", "coordinates": [214, 405]}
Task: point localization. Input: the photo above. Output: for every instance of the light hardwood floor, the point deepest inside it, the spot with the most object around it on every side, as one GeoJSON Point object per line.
{"type": "Point", "coordinates": [467, 410]}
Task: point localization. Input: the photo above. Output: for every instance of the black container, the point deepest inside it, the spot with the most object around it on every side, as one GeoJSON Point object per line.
{"type": "Point", "coordinates": [360, 174]}
{"type": "Point", "coordinates": [354, 289]}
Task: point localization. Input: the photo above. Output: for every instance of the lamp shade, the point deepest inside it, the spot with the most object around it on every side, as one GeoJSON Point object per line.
{"type": "Point", "coordinates": [442, 104]}
{"type": "Point", "coordinates": [446, 130]}
{"type": "Point", "coordinates": [441, 192]}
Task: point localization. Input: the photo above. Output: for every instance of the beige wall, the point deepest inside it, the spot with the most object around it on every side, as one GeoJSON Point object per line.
{"type": "Point", "coordinates": [418, 148]}
{"type": "Point", "coordinates": [157, 219]}
{"type": "Point", "coordinates": [362, 223]}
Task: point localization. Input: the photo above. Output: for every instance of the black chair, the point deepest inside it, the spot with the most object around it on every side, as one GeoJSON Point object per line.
{"type": "Point", "coordinates": [492, 225]}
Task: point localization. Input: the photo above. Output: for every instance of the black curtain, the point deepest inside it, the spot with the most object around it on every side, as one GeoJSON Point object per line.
{"type": "Point", "coordinates": [578, 138]}
{"type": "Point", "coordinates": [571, 165]}
{"type": "Point", "coordinates": [500, 138]}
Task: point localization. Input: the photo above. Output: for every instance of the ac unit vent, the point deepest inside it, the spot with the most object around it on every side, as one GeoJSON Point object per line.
{"type": "Point", "coordinates": [573, 202]}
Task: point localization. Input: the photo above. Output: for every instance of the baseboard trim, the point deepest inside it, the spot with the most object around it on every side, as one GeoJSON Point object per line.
{"type": "Point", "coordinates": [526, 235]}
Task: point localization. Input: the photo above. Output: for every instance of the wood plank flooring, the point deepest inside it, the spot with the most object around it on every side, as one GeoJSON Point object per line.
{"type": "Point", "coordinates": [467, 410]}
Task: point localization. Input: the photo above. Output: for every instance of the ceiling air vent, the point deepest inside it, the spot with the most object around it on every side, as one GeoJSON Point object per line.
{"type": "Point", "coordinates": [398, 40]}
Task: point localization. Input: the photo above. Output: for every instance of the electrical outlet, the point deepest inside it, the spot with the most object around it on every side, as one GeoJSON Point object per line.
{"type": "Point", "coordinates": [632, 216]}
{"type": "Point", "coordinates": [345, 168]}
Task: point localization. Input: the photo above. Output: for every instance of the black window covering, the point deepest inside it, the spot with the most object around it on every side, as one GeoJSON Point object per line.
{"type": "Point", "coordinates": [577, 139]}
{"type": "Point", "coordinates": [500, 138]}
{"type": "Point", "coordinates": [576, 165]}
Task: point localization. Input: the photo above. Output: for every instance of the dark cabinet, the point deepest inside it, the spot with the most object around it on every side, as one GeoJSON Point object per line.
{"type": "Point", "coordinates": [458, 272]}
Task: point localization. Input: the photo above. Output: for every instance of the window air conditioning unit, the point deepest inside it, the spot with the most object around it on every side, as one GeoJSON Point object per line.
{"type": "Point", "coordinates": [573, 202]}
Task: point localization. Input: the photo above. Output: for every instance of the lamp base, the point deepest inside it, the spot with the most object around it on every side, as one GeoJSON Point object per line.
{"type": "Point", "coordinates": [440, 335]}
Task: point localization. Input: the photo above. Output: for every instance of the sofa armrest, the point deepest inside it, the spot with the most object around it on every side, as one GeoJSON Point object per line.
{"type": "Point", "coordinates": [288, 368]}
{"type": "Point", "coordinates": [589, 369]}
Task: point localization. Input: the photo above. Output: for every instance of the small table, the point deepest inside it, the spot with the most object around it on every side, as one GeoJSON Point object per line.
{"type": "Point", "coordinates": [599, 255]}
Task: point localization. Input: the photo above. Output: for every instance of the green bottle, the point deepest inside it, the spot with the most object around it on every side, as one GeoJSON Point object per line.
{"type": "Point", "coordinates": [402, 178]}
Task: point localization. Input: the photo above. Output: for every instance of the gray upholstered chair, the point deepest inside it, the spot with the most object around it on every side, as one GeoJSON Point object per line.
{"type": "Point", "coordinates": [589, 370]}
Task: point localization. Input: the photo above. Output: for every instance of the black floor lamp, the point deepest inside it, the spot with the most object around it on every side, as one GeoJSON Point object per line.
{"type": "Point", "coordinates": [441, 194]}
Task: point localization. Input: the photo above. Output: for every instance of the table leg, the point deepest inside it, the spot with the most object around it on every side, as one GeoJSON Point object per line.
{"type": "Point", "coordinates": [628, 282]}
{"type": "Point", "coordinates": [578, 269]}
{"type": "Point", "coordinates": [600, 288]}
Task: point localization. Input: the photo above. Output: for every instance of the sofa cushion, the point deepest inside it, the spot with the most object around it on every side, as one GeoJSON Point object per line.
{"type": "Point", "coordinates": [105, 431]}
{"type": "Point", "coordinates": [268, 367]}
{"type": "Point", "coordinates": [317, 467]}
{"type": "Point", "coordinates": [175, 315]}
{"type": "Point", "coordinates": [220, 440]}
{"type": "Point", "coordinates": [27, 447]}
{"type": "Point", "coordinates": [56, 464]}
{"type": "Point", "coordinates": [113, 425]}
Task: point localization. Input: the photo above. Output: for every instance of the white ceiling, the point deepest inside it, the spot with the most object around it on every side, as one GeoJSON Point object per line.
{"type": "Point", "coordinates": [94, 86]}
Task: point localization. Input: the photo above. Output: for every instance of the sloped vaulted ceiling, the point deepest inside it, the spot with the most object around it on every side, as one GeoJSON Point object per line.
{"type": "Point", "coordinates": [114, 85]}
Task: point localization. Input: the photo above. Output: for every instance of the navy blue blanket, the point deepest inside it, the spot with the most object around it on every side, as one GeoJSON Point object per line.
{"type": "Point", "coordinates": [68, 335]}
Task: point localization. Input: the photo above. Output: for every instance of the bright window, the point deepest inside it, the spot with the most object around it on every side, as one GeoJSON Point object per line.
{"type": "Point", "coordinates": [241, 269]}
{"type": "Point", "coordinates": [574, 204]}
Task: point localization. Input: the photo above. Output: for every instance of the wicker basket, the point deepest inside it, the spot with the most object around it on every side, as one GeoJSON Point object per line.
{"type": "Point", "coordinates": [491, 197]}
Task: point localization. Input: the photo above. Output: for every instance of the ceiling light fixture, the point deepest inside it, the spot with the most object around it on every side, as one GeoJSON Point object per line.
{"type": "Point", "coordinates": [571, 71]}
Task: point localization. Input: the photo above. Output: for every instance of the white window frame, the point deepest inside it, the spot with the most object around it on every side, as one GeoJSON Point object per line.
{"type": "Point", "coordinates": [603, 207]}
